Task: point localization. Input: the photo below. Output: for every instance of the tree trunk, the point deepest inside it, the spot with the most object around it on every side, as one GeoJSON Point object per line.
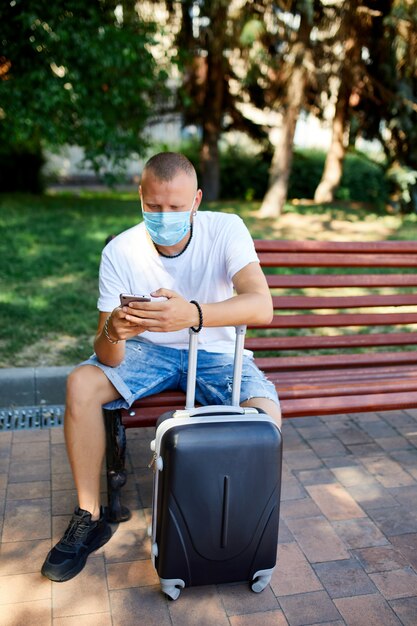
{"type": "Point", "coordinates": [280, 170]}
{"type": "Point", "coordinates": [349, 75]}
{"type": "Point", "coordinates": [211, 127]}
{"type": "Point", "coordinates": [213, 101]}
{"type": "Point", "coordinates": [279, 173]}
{"type": "Point", "coordinates": [209, 162]}
{"type": "Point", "coordinates": [333, 167]}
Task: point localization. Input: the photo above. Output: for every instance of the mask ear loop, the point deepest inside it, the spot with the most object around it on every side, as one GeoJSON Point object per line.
{"type": "Point", "coordinates": [194, 213]}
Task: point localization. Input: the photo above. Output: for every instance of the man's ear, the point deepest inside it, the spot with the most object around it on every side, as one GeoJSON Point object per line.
{"type": "Point", "coordinates": [198, 198]}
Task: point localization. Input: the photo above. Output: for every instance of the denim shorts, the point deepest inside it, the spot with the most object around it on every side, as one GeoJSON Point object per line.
{"type": "Point", "coordinates": [149, 368]}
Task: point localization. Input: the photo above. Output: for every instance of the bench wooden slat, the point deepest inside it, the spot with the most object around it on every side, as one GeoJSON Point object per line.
{"type": "Point", "coordinates": [278, 259]}
{"type": "Point", "coordinates": [331, 281]}
{"type": "Point", "coordinates": [141, 419]}
{"type": "Point", "coordinates": [325, 376]}
{"type": "Point", "coordinates": [336, 341]}
{"type": "Point", "coordinates": [165, 399]}
{"type": "Point", "coordinates": [342, 302]}
{"type": "Point", "coordinates": [304, 407]}
{"type": "Point", "coordinates": [323, 389]}
{"type": "Point", "coordinates": [369, 247]}
{"type": "Point", "coordinates": [343, 319]}
{"type": "Point", "coordinates": [287, 363]}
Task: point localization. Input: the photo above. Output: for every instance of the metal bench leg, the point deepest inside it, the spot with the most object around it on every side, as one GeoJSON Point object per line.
{"type": "Point", "coordinates": [115, 460]}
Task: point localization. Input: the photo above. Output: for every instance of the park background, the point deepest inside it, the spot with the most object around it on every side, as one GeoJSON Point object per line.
{"type": "Point", "coordinates": [301, 116]}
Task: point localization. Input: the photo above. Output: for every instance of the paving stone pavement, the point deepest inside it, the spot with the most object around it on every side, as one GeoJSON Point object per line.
{"type": "Point", "coordinates": [347, 544]}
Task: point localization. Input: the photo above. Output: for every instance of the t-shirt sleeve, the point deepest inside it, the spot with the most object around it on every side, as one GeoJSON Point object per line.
{"type": "Point", "coordinates": [240, 248]}
{"type": "Point", "coordinates": [111, 284]}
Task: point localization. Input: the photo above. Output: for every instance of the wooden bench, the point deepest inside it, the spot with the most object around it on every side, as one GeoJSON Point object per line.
{"type": "Point", "coordinates": [342, 339]}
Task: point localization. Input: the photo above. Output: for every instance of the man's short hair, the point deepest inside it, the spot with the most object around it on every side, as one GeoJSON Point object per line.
{"type": "Point", "coordinates": [166, 165]}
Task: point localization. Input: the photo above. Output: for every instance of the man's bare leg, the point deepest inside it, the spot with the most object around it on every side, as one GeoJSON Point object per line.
{"type": "Point", "coordinates": [88, 389]}
{"type": "Point", "coordinates": [88, 530]}
{"type": "Point", "coordinates": [269, 406]}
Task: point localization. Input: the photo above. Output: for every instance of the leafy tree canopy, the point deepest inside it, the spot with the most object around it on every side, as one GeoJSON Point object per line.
{"type": "Point", "coordinates": [76, 72]}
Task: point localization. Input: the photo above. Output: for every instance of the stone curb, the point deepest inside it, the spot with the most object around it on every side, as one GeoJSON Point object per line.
{"type": "Point", "coordinates": [33, 386]}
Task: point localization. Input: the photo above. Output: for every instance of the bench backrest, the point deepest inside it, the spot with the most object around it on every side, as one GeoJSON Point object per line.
{"type": "Point", "coordinates": [338, 297]}
{"type": "Point", "coordinates": [344, 334]}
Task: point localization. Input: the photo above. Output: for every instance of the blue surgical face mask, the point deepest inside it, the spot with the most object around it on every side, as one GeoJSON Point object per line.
{"type": "Point", "coordinates": [166, 228]}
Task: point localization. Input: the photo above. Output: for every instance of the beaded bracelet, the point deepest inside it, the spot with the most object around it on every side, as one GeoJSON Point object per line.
{"type": "Point", "coordinates": [106, 331]}
{"type": "Point", "coordinates": [200, 317]}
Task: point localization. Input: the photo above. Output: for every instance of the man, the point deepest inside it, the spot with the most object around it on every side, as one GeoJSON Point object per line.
{"type": "Point", "coordinates": [191, 263]}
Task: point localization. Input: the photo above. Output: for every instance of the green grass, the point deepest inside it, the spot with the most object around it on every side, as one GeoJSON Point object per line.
{"type": "Point", "coordinates": [50, 251]}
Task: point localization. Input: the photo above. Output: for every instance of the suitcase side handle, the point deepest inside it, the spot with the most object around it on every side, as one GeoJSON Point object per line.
{"type": "Point", "coordinates": [237, 368]}
{"type": "Point", "coordinates": [220, 410]}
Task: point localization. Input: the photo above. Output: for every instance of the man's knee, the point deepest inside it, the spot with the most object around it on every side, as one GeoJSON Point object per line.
{"type": "Point", "coordinates": [86, 383]}
{"type": "Point", "coordinates": [269, 406]}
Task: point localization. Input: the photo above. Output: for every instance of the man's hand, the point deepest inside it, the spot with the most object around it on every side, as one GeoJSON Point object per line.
{"type": "Point", "coordinates": [174, 313]}
{"type": "Point", "coordinates": [119, 327]}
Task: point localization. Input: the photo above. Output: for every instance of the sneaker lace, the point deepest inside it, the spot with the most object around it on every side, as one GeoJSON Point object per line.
{"type": "Point", "coordinates": [77, 528]}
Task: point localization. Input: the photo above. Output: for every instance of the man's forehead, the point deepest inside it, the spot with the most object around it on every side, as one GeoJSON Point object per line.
{"type": "Point", "coordinates": [178, 177]}
{"type": "Point", "coordinates": [179, 184]}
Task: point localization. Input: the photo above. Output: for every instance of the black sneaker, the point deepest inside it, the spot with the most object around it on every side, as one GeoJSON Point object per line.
{"type": "Point", "coordinates": [82, 537]}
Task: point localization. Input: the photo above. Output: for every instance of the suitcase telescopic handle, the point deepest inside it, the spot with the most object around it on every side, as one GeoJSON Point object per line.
{"type": "Point", "coordinates": [237, 367]}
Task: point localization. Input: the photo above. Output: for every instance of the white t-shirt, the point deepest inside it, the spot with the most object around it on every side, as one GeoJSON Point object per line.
{"type": "Point", "coordinates": [220, 246]}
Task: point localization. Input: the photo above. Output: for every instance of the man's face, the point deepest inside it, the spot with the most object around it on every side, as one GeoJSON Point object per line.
{"type": "Point", "coordinates": [178, 194]}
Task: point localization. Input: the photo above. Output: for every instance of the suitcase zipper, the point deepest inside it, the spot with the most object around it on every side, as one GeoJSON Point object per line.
{"type": "Point", "coordinates": [152, 462]}
{"type": "Point", "coordinates": [156, 463]}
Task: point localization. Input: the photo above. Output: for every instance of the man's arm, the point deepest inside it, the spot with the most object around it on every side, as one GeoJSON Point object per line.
{"type": "Point", "coordinates": [111, 354]}
{"type": "Point", "coordinates": [251, 305]}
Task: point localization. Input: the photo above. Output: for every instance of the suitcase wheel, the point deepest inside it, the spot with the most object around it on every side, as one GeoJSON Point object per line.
{"type": "Point", "coordinates": [261, 579]}
{"type": "Point", "coordinates": [172, 587]}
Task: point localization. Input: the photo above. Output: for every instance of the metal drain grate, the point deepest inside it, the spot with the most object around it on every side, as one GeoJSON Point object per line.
{"type": "Point", "coordinates": [29, 417]}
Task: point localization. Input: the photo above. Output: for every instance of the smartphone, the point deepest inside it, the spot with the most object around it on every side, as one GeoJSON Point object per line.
{"type": "Point", "coordinates": [127, 298]}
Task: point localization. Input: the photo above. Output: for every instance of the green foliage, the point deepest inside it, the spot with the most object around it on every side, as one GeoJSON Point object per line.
{"type": "Point", "coordinates": [389, 102]}
{"type": "Point", "coordinates": [363, 180]}
{"type": "Point", "coordinates": [307, 168]}
{"type": "Point", "coordinates": [251, 32]}
{"type": "Point", "coordinates": [244, 175]}
{"type": "Point", "coordinates": [191, 149]}
{"type": "Point", "coordinates": [403, 188]}
{"type": "Point", "coordinates": [75, 73]}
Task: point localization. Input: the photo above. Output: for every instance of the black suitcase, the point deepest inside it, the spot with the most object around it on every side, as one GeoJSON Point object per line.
{"type": "Point", "coordinates": [217, 479]}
